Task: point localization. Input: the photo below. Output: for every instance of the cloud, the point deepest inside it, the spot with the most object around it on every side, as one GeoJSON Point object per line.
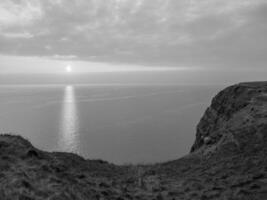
{"type": "Point", "coordinates": [208, 33]}
{"type": "Point", "coordinates": [16, 35]}
{"type": "Point", "coordinates": [19, 13]}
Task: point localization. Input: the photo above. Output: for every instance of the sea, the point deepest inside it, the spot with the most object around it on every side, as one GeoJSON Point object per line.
{"type": "Point", "coordinates": [119, 123]}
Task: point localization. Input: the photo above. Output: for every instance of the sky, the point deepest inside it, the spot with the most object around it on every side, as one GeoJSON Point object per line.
{"type": "Point", "coordinates": [213, 36]}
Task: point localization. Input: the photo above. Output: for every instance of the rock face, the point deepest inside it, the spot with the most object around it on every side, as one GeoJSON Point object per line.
{"type": "Point", "coordinates": [228, 160]}
{"type": "Point", "coordinates": [237, 114]}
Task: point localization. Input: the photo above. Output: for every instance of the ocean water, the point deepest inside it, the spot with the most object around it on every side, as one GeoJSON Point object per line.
{"type": "Point", "coordinates": [118, 123]}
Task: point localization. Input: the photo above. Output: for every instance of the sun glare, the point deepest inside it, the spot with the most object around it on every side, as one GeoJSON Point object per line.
{"type": "Point", "coordinates": [68, 69]}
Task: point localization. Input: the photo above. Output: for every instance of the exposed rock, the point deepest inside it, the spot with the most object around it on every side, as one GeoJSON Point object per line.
{"type": "Point", "coordinates": [237, 114]}
{"type": "Point", "coordinates": [227, 161]}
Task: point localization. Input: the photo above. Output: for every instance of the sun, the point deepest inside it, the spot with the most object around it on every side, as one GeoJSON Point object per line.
{"type": "Point", "coordinates": [68, 69]}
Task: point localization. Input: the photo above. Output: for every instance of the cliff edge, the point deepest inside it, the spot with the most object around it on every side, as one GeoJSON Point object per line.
{"type": "Point", "coordinates": [238, 116]}
{"type": "Point", "coordinates": [228, 160]}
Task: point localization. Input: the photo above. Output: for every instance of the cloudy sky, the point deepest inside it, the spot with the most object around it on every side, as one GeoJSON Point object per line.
{"type": "Point", "coordinates": [47, 35]}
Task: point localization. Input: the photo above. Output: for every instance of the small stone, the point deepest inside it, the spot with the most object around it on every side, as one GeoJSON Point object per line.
{"type": "Point", "coordinates": [207, 140]}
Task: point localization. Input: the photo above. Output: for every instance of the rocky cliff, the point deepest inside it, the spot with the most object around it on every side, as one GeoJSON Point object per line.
{"type": "Point", "coordinates": [237, 115]}
{"type": "Point", "coordinates": [228, 160]}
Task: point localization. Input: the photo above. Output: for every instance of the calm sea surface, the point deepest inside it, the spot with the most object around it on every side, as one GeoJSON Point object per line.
{"type": "Point", "coordinates": [121, 124]}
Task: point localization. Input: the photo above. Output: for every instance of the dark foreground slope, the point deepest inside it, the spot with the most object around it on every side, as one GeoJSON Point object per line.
{"type": "Point", "coordinates": [227, 161]}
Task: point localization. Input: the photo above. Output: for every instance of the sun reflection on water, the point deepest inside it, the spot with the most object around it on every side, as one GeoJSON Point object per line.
{"type": "Point", "coordinates": [69, 132]}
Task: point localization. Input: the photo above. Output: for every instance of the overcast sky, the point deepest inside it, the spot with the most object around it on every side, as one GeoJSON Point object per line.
{"type": "Point", "coordinates": [47, 35]}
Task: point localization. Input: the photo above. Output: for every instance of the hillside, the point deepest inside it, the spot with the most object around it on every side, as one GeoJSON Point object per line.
{"type": "Point", "coordinates": [228, 160]}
